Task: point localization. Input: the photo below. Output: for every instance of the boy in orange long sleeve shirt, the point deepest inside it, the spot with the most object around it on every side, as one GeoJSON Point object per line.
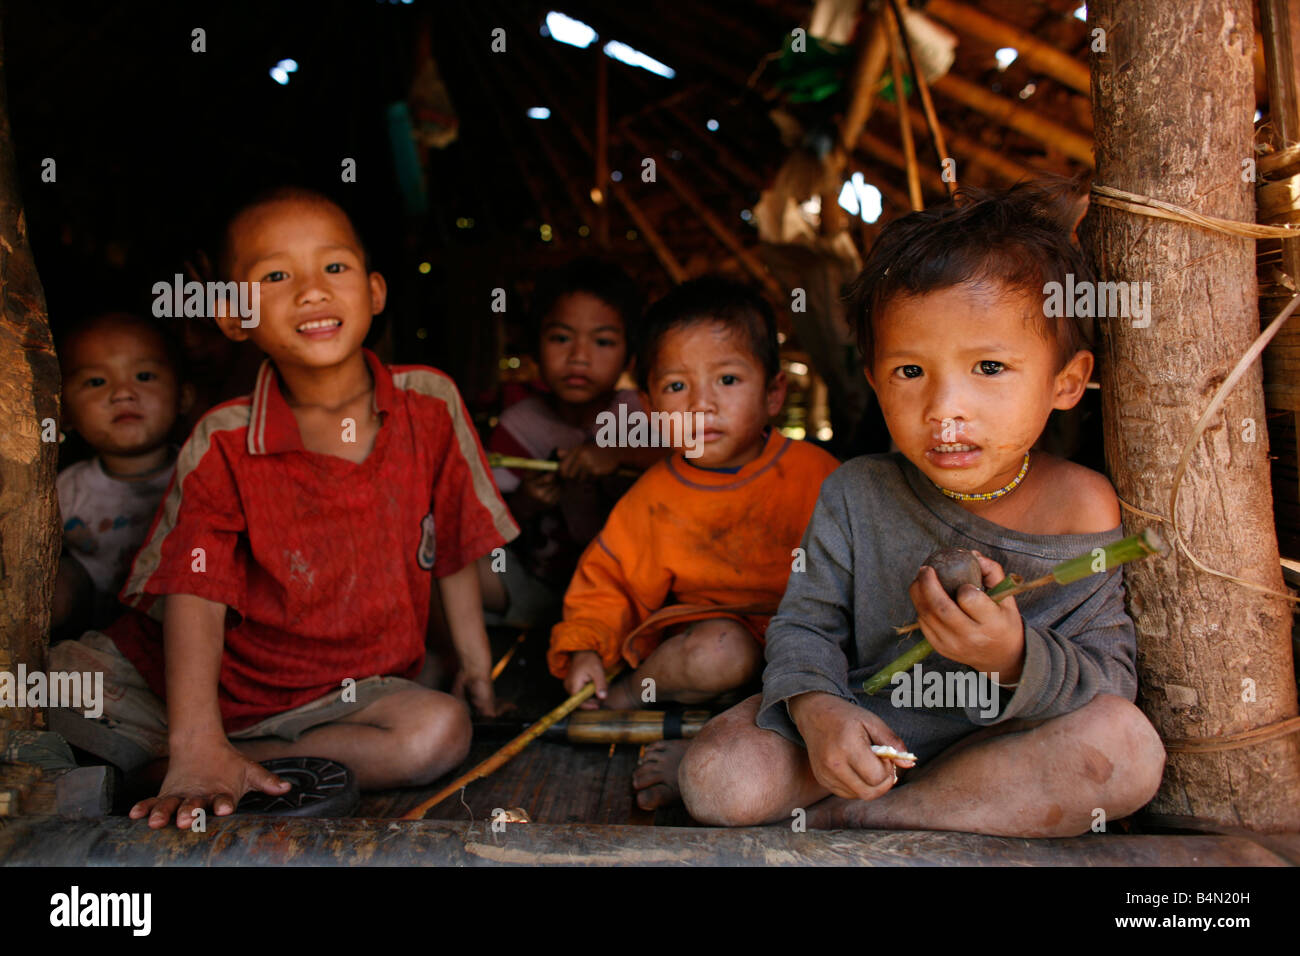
{"type": "Point", "coordinates": [714, 534]}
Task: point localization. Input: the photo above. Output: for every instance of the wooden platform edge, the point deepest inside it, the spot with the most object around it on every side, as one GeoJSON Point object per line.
{"type": "Point", "coordinates": [279, 841]}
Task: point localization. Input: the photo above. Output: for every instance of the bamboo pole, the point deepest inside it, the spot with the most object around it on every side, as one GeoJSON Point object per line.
{"type": "Point", "coordinates": [510, 750]}
{"type": "Point", "coordinates": [1041, 56]}
{"type": "Point", "coordinates": [872, 147]}
{"type": "Point", "coordinates": [927, 104]}
{"type": "Point", "coordinates": [1020, 118]}
{"type": "Point", "coordinates": [968, 150]}
{"type": "Point", "coordinates": [724, 235]}
{"type": "Point", "coordinates": [872, 58]}
{"type": "Point", "coordinates": [904, 125]}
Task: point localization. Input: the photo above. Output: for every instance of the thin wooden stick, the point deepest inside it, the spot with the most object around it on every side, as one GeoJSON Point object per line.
{"type": "Point", "coordinates": [904, 121]}
{"type": "Point", "coordinates": [510, 750]}
{"type": "Point", "coordinates": [505, 658]}
{"type": "Point", "coordinates": [497, 460]}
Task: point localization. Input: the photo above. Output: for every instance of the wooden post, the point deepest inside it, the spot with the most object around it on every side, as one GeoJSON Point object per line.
{"type": "Point", "coordinates": [1213, 658]}
{"type": "Point", "coordinates": [29, 405]}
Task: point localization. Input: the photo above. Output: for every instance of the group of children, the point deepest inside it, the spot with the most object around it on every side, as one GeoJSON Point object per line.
{"type": "Point", "coordinates": [279, 602]}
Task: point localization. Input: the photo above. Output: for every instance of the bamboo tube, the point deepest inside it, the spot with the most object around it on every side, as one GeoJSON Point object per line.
{"type": "Point", "coordinates": [1039, 55]}
{"type": "Point", "coordinates": [1128, 549]}
{"type": "Point", "coordinates": [510, 750]}
{"type": "Point", "coordinates": [904, 124]}
{"type": "Point", "coordinates": [870, 67]}
{"type": "Point", "coordinates": [1020, 118]}
{"type": "Point", "coordinates": [633, 726]}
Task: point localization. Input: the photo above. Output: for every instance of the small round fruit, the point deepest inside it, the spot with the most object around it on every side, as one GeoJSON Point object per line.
{"type": "Point", "coordinates": [955, 567]}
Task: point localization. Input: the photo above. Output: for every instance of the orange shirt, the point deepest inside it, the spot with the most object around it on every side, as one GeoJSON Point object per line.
{"type": "Point", "coordinates": [684, 535]}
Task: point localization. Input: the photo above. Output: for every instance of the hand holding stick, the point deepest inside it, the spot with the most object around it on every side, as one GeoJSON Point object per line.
{"type": "Point", "coordinates": [1119, 552]}
{"type": "Point", "coordinates": [510, 750]}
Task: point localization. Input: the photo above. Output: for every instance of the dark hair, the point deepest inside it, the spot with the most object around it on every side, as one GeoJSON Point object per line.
{"type": "Point", "coordinates": [171, 345]}
{"type": "Point", "coordinates": [711, 299]}
{"type": "Point", "coordinates": [282, 193]}
{"type": "Point", "coordinates": [598, 278]}
{"type": "Point", "coordinates": [1020, 238]}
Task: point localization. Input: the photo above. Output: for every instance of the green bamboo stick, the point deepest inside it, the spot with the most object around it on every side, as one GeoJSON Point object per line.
{"type": "Point", "coordinates": [1128, 549]}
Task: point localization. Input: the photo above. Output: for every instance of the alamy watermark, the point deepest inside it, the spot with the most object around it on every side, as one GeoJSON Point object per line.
{"type": "Point", "coordinates": [77, 690]}
{"type": "Point", "coordinates": [950, 689]}
{"type": "Point", "coordinates": [1103, 300]}
{"type": "Point", "coordinates": [180, 299]}
{"type": "Point", "coordinates": [637, 429]}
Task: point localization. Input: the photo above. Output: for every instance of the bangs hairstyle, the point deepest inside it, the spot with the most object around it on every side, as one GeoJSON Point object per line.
{"type": "Point", "coordinates": [597, 278]}
{"type": "Point", "coordinates": [288, 193]}
{"type": "Point", "coordinates": [142, 325]}
{"type": "Point", "coordinates": [1020, 238]}
{"type": "Point", "coordinates": [741, 308]}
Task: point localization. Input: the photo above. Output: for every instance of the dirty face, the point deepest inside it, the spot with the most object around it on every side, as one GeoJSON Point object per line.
{"type": "Point", "coordinates": [966, 381]}
{"type": "Point", "coordinates": [706, 368]}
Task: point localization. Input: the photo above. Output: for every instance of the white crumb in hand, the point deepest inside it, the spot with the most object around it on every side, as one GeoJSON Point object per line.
{"type": "Point", "coordinates": [883, 750]}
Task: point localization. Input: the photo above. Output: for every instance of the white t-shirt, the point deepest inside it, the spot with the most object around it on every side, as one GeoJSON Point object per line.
{"type": "Point", "coordinates": [105, 519]}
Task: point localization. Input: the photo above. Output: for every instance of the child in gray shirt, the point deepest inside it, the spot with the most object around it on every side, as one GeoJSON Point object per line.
{"type": "Point", "coordinates": [1021, 722]}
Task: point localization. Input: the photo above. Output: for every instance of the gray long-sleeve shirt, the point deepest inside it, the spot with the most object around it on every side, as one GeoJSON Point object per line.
{"type": "Point", "coordinates": [876, 520]}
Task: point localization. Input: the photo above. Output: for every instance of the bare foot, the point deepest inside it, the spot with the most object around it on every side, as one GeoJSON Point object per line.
{"type": "Point", "coordinates": [655, 777]}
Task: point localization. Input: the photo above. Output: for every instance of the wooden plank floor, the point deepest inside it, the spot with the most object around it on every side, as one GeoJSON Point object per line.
{"type": "Point", "coordinates": [555, 781]}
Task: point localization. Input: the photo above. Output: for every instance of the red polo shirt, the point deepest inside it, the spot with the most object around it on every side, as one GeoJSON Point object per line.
{"type": "Point", "coordinates": [324, 563]}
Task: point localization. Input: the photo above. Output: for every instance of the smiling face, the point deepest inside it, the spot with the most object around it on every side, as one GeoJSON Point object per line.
{"type": "Point", "coordinates": [966, 382]}
{"type": "Point", "coordinates": [707, 367]}
{"type": "Point", "coordinates": [119, 388]}
{"type": "Point", "coordinates": [583, 349]}
{"type": "Point", "coordinates": [316, 299]}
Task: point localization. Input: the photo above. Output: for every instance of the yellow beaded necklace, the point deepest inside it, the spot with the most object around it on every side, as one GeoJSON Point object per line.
{"type": "Point", "coordinates": [990, 495]}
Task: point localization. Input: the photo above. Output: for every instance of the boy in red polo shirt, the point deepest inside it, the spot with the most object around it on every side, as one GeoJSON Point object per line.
{"type": "Point", "coordinates": [296, 543]}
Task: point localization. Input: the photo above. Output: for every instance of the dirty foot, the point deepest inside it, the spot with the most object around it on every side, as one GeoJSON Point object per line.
{"type": "Point", "coordinates": [655, 777]}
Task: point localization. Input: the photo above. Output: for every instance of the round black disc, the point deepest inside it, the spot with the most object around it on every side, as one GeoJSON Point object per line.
{"type": "Point", "coordinates": [321, 788]}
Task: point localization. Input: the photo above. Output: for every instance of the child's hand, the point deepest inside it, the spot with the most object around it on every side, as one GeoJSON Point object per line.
{"type": "Point", "coordinates": [212, 777]}
{"type": "Point", "coordinates": [479, 691]}
{"type": "Point", "coordinates": [839, 735]}
{"type": "Point", "coordinates": [541, 489]}
{"type": "Point", "coordinates": [974, 630]}
{"type": "Point", "coordinates": [588, 461]}
{"type": "Point", "coordinates": [586, 667]}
